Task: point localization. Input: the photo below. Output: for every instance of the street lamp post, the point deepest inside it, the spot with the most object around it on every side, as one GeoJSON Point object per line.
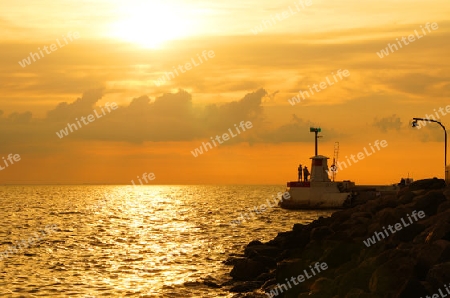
{"type": "Point", "coordinates": [414, 124]}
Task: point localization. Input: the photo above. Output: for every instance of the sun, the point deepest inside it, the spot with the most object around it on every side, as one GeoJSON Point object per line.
{"type": "Point", "coordinates": [150, 23]}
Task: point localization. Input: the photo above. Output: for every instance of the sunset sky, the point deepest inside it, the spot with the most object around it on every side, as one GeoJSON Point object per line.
{"type": "Point", "coordinates": [247, 60]}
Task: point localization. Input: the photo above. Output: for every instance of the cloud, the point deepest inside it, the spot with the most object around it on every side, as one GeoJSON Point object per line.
{"type": "Point", "coordinates": [296, 130]}
{"type": "Point", "coordinates": [219, 117]}
{"type": "Point", "coordinates": [388, 123]}
{"type": "Point", "coordinates": [68, 111]}
{"type": "Point", "coordinates": [171, 117]}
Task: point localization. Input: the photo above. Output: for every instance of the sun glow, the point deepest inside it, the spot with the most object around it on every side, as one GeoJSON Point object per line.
{"type": "Point", "coordinates": [150, 24]}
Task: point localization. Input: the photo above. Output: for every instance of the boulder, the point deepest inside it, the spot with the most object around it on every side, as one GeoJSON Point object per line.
{"type": "Point", "coordinates": [261, 250]}
{"type": "Point", "coordinates": [412, 288]}
{"type": "Point", "coordinates": [320, 233]}
{"type": "Point", "coordinates": [247, 286]}
{"type": "Point", "coordinates": [340, 253]}
{"type": "Point", "coordinates": [324, 286]}
{"type": "Point", "coordinates": [439, 275]}
{"type": "Point", "coordinates": [408, 233]}
{"type": "Point", "coordinates": [427, 184]}
{"type": "Point", "coordinates": [428, 202]}
{"type": "Point", "coordinates": [356, 278]}
{"type": "Point", "coordinates": [428, 255]}
{"type": "Point", "coordinates": [358, 293]}
{"type": "Point", "coordinates": [386, 217]}
{"type": "Point", "coordinates": [247, 270]}
{"type": "Point", "coordinates": [390, 276]}
{"type": "Point", "coordinates": [445, 206]}
{"type": "Point", "coordinates": [406, 197]}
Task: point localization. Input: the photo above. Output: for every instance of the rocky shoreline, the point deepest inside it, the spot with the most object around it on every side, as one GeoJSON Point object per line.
{"type": "Point", "coordinates": [411, 260]}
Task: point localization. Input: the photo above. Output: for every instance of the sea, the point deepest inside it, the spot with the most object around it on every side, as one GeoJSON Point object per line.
{"type": "Point", "coordinates": [131, 241]}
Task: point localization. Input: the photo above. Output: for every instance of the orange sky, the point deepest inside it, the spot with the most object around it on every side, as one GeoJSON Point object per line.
{"type": "Point", "coordinates": [222, 73]}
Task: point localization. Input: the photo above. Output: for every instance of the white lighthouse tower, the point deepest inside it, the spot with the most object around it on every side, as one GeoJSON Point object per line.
{"type": "Point", "coordinates": [319, 169]}
{"type": "Point", "coordinates": [319, 164]}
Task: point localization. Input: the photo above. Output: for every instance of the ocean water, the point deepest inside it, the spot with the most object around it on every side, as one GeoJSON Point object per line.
{"type": "Point", "coordinates": [124, 241]}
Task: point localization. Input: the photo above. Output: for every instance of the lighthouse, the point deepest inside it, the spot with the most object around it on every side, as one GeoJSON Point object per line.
{"type": "Point", "coordinates": [319, 169]}
{"type": "Point", "coordinates": [320, 192]}
{"type": "Point", "coordinates": [319, 164]}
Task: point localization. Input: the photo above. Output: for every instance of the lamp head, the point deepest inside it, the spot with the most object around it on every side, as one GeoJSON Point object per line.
{"type": "Point", "coordinates": [414, 123]}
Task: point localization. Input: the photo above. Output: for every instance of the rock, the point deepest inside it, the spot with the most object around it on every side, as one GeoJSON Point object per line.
{"type": "Point", "coordinates": [358, 230]}
{"type": "Point", "coordinates": [341, 215]}
{"type": "Point", "coordinates": [211, 282]}
{"type": "Point", "coordinates": [255, 242]}
{"type": "Point", "coordinates": [355, 278]}
{"type": "Point", "coordinates": [266, 276]}
{"type": "Point", "coordinates": [386, 217]}
{"type": "Point", "coordinates": [233, 260]}
{"type": "Point", "coordinates": [250, 295]}
{"type": "Point", "coordinates": [321, 232]}
{"type": "Point", "coordinates": [427, 184]}
{"type": "Point", "coordinates": [429, 202]}
{"type": "Point", "coordinates": [446, 192]}
{"type": "Point", "coordinates": [364, 196]}
{"type": "Point", "coordinates": [269, 283]}
{"type": "Point", "coordinates": [247, 286]}
{"type": "Point", "coordinates": [428, 255]}
{"type": "Point", "coordinates": [390, 276]}
{"type": "Point", "coordinates": [298, 227]}
{"type": "Point", "coordinates": [340, 253]}
{"type": "Point", "coordinates": [290, 240]}
{"type": "Point", "coordinates": [312, 295]}
{"type": "Point", "coordinates": [246, 270]}
{"type": "Point", "coordinates": [412, 288]}
{"type": "Point", "coordinates": [358, 293]}
{"type": "Point", "coordinates": [389, 201]}
{"type": "Point", "coordinates": [412, 262]}
{"type": "Point", "coordinates": [444, 206]}
{"type": "Point", "coordinates": [324, 286]}
{"type": "Point", "coordinates": [343, 236]}
{"type": "Point", "coordinates": [362, 214]}
{"type": "Point", "coordinates": [407, 234]}
{"type": "Point", "coordinates": [266, 261]}
{"type": "Point", "coordinates": [439, 275]}
{"type": "Point", "coordinates": [261, 250]}
{"type": "Point", "coordinates": [439, 228]}
{"type": "Point", "coordinates": [406, 197]}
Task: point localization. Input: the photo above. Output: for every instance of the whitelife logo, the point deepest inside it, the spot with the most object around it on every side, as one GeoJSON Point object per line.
{"type": "Point", "coordinates": [225, 136]}
{"type": "Point", "coordinates": [150, 176]}
{"type": "Point", "coordinates": [10, 158]}
{"type": "Point", "coordinates": [431, 116]}
{"type": "Point", "coordinates": [411, 38]}
{"type": "Point", "coordinates": [319, 267]}
{"type": "Point", "coordinates": [15, 249]}
{"type": "Point", "coordinates": [360, 155]}
{"type": "Point", "coordinates": [187, 66]}
{"type": "Point", "coordinates": [441, 294]}
{"type": "Point", "coordinates": [65, 132]}
{"type": "Point", "coordinates": [398, 227]}
{"type": "Point", "coordinates": [281, 16]}
{"type": "Point", "coordinates": [53, 48]}
{"type": "Point", "coordinates": [262, 208]}
{"type": "Point", "coordinates": [323, 85]}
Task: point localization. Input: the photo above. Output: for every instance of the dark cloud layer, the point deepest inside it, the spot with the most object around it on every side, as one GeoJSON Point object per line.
{"type": "Point", "coordinates": [388, 123]}
{"type": "Point", "coordinates": [170, 117]}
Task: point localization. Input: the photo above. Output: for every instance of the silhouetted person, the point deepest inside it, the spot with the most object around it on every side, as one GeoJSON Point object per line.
{"type": "Point", "coordinates": [300, 172]}
{"type": "Point", "coordinates": [305, 173]}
